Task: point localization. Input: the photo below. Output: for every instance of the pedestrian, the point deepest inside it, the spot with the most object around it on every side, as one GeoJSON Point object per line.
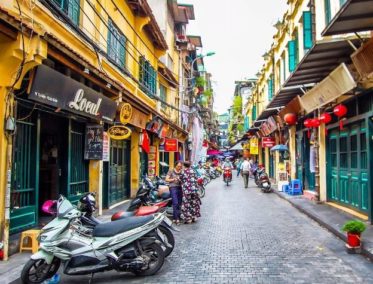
{"type": "Point", "coordinates": [190, 206]}
{"type": "Point", "coordinates": [245, 171]}
{"type": "Point", "coordinates": [239, 163]}
{"type": "Point", "coordinates": [173, 177]}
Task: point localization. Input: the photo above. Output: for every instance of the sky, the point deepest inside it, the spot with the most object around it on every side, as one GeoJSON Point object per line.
{"type": "Point", "coordinates": [240, 32]}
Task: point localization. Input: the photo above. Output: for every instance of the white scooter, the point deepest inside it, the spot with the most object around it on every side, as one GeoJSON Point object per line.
{"type": "Point", "coordinates": [128, 245]}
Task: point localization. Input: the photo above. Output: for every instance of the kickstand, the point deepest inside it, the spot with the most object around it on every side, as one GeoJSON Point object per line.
{"type": "Point", "coordinates": [90, 279]}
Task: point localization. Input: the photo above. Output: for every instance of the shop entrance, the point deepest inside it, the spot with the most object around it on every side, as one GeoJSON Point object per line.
{"type": "Point", "coordinates": [119, 171]}
{"type": "Point", "coordinates": [348, 164]}
{"type": "Point", "coordinates": [303, 161]}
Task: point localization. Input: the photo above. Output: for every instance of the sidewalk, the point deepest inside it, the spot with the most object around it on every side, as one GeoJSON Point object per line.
{"type": "Point", "coordinates": [11, 270]}
{"type": "Point", "coordinates": [331, 218]}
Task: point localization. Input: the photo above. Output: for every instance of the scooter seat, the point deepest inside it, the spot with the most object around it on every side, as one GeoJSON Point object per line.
{"type": "Point", "coordinates": [110, 229]}
{"type": "Point", "coordinates": [147, 210]}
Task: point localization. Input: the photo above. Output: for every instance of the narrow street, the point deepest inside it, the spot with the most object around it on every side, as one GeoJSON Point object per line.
{"type": "Point", "coordinates": [245, 236]}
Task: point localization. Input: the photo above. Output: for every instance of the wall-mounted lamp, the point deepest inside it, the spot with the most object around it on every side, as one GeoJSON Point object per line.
{"type": "Point", "coordinates": [86, 70]}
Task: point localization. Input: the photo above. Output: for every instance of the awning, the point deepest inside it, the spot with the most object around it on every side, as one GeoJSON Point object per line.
{"type": "Point", "coordinates": [354, 16]}
{"type": "Point", "coordinates": [316, 64]}
{"type": "Point", "coordinates": [237, 147]}
{"type": "Point", "coordinates": [213, 152]}
{"type": "Point", "coordinates": [337, 83]}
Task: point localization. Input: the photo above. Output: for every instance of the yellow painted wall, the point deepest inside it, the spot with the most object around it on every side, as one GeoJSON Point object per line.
{"type": "Point", "coordinates": [135, 162]}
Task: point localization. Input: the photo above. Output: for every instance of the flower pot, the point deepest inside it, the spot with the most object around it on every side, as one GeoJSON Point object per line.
{"type": "Point", "coordinates": [353, 240]}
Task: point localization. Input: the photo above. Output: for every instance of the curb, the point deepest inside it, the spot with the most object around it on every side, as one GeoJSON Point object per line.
{"type": "Point", "coordinates": [322, 223]}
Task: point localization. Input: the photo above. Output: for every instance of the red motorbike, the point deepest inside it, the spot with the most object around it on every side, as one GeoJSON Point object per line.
{"type": "Point", "coordinates": [227, 175]}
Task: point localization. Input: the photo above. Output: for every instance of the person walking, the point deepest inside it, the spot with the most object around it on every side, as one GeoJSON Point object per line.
{"type": "Point", "coordinates": [245, 171]}
{"type": "Point", "coordinates": [190, 206]}
{"type": "Point", "coordinates": [239, 163]}
{"type": "Point", "coordinates": [173, 177]}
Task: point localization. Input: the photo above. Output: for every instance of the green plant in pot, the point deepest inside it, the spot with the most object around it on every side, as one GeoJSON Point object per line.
{"type": "Point", "coordinates": [354, 228]}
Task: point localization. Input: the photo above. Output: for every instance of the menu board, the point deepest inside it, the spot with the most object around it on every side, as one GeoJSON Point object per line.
{"type": "Point", "coordinates": [152, 162]}
{"type": "Point", "coordinates": [94, 137]}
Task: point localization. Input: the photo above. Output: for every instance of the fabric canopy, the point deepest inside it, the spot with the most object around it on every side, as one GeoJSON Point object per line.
{"type": "Point", "coordinates": [213, 152]}
{"type": "Point", "coordinates": [237, 147]}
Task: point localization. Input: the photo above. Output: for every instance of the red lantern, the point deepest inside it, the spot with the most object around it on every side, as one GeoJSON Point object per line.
{"type": "Point", "coordinates": [325, 118]}
{"type": "Point", "coordinates": [315, 122]}
{"type": "Point", "coordinates": [308, 124]}
{"type": "Point", "coordinates": [290, 118]}
{"type": "Point", "coordinates": [340, 111]}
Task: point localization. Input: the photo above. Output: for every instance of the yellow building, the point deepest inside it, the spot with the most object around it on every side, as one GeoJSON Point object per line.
{"type": "Point", "coordinates": [314, 64]}
{"type": "Point", "coordinates": [67, 70]}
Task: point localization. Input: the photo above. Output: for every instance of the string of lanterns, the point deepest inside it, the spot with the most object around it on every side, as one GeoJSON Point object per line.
{"type": "Point", "coordinates": [340, 111]}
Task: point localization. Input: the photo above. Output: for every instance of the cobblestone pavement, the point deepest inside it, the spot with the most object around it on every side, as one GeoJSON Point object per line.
{"type": "Point", "coordinates": [245, 236]}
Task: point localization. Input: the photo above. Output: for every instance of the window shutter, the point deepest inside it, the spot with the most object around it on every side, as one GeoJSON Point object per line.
{"type": "Point", "coordinates": [141, 69]}
{"type": "Point", "coordinates": [307, 30]}
{"type": "Point", "coordinates": [73, 11]}
{"type": "Point", "coordinates": [342, 2]}
{"type": "Point", "coordinates": [328, 13]}
{"type": "Point", "coordinates": [270, 88]}
{"type": "Point", "coordinates": [122, 51]}
{"type": "Point", "coordinates": [253, 113]}
{"type": "Point", "coordinates": [292, 55]}
{"type": "Point", "coordinates": [154, 82]}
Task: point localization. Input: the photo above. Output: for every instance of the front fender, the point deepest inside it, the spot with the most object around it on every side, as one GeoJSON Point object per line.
{"type": "Point", "coordinates": [41, 254]}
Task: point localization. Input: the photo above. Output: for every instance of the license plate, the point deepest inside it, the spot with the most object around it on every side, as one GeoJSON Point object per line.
{"type": "Point", "coordinates": [167, 221]}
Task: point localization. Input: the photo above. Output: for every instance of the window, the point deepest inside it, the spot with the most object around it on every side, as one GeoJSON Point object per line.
{"type": "Point", "coordinates": [253, 114]}
{"type": "Point", "coordinates": [283, 62]}
{"type": "Point", "coordinates": [342, 2]}
{"type": "Point", "coordinates": [328, 12]}
{"type": "Point", "coordinates": [307, 30]}
{"type": "Point", "coordinates": [163, 95]}
{"type": "Point", "coordinates": [70, 8]}
{"type": "Point", "coordinates": [147, 77]}
{"type": "Point", "coordinates": [270, 88]}
{"type": "Point", "coordinates": [291, 50]}
{"type": "Point", "coordinates": [116, 45]}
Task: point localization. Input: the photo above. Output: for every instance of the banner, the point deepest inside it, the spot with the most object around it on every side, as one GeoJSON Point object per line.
{"type": "Point", "coordinates": [170, 145]}
{"type": "Point", "coordinates": [254, 146]}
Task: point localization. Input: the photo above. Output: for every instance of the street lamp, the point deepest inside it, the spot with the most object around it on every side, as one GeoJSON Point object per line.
{"type": "Point", "coordinates": [211, 53]}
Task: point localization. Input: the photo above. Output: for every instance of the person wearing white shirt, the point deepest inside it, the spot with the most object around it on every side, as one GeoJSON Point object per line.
{"type": "Point", "coordinates": [245, 171]}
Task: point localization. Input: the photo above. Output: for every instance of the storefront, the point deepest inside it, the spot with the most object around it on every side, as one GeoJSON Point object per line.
{"type": "Point", "coordinates": [57, 138]}
{"type": "Point", "coordinates": [349, 166]}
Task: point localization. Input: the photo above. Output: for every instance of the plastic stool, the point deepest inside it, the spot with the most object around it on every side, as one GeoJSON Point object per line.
{"type": "Point", "coordinates": [285, 188]}
{"type": "Point", "coordinates": [295, 187]}
{"type": "Point", "coordinates": [26, 238]}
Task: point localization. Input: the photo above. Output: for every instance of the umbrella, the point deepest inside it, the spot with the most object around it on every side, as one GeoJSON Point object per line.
{"type": "Point", "coordinates": [226, 154]}
{"type": "Point", "coordinates": [280, 148]}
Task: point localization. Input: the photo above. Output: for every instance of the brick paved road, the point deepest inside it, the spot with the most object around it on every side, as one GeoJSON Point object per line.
{"type": "Point", "coordinates": [249, 237]}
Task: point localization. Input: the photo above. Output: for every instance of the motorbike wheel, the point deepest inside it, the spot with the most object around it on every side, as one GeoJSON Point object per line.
{"type": "Point", "coordinates": [37, 271]}
{"type": "Point", "coordinates": [156, 257]}
{"type": "Point", "coordinates": [169, 238]}
{"type": "Point", "coordinates": [227, 181]}
{"type": "Point", "coordinates": [202, 191]}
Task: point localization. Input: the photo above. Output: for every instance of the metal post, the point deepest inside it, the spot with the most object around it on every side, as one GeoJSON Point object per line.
{"type": "Point", "coordinates": [317, 168]}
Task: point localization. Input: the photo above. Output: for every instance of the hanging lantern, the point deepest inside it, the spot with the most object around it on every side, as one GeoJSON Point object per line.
{"type": "Point", "coordinates": [325, 118]}
{"type": "Point", "coordinates": [308, 124]}
{"type": "Point", "coordinates": [290, 118]}
{"type": "Point", "coordinates": [340, 111]}
{"type": "Point", "coordinates": [315, 122]}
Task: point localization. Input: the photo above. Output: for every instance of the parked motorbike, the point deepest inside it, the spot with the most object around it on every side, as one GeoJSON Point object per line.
{"type": "Point", "coordinates": [87, 206]}
{"type": "Point", "coordinates": [128, 245]}
{"type": "Point", "coordinates": [262, 180]}
{"type": "Point", "coordinates": [227, 175]}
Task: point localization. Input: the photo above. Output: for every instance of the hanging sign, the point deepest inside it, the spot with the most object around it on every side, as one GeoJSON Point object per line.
{"type": "Point", "coordinates": [106, 148]}
{"type": "Point", "coordinates": [119, 132]}
{"type": "Point", "coordinates": [57, 90]}
{"type": "Point", "coordinates": [254, 150]}
{"type": "Point", "coordinates": [155, 125]}
{"type": "Point", "coordinates": [125, 113]}
{"type": "Point", "coordinates": [170, 145]}
{"type": "Point", "coordinates": [152, 161]}
{"type": "Point", "coordinates": [268, 142]}
{"type": "Point", "coordinates": [94, 137]}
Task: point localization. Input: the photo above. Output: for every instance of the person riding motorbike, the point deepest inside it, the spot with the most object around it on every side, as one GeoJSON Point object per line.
{"type": "Point", "coordinates": [227, 164]}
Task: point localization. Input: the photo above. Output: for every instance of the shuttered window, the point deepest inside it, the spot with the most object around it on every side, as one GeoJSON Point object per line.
{"type": "Point", "coordinates": [70, 8]}
{"type": "Point", "coordinates": [253, 114]}
{"type": "Point", "coordinates": [307, 30]}
{"type": "Point", "coordinates": [292, 55]}
{"type": "Point", "coordinates": [328, 12]}
{"type": "Point", "coordinates": [147, 77]}
{"type": "Point", "coordinates": [163, 95]}
{"type": "Point", "coordinates": [270, 88]}
{"type": "Point", "coordinates": [342, 2]}
{"type": "Point", "coordinates": [116, 46]}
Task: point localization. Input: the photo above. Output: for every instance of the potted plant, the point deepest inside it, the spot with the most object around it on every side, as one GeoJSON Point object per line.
{"type": "Point", "coordinates": [354, 228]}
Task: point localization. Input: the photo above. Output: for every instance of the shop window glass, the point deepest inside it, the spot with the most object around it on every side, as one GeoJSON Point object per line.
{"type": "Point", "coordinates": [354, 163]}
{"type": "Point", "coordinates": [344, 160]}
{"type": "Point", "coordinates": [353, 142]}
{"type": "Point", "coordinates": [333, 146]}
{"type": "Point", "coordinates": [334, 160]}
{"type": "Point", "coordinates": [365, 103]}
{"type": "Point", "coordinates": [147, 77]}
{"type": "Point", "coordinates": [343, 144]}
{"type": "Point", "coordinates": [363, 141]}
{"type": "Point", "coordinates": [364, 160]}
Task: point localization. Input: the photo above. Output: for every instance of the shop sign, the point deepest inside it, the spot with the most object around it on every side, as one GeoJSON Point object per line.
{"type": "Point", "coordinates": [106, 148]}
{"type": "Point", "coordinates": [170, 145]}
{"type": "Point", "coordinates": [268, 142]}
{"type": "Point", "coordinates": [272, 124]}
{"type": "Point", "coordinates": [55, 89]}
{"type": "Point", "coordinates": [155, 125]}
{"type": "Point", "coordinates": [125, 113]}
{"type": "Point", "coordinates": [152, 161]}
{"type": "Point", "coordinates": [94, 137]}
{"type": "Point", "coordinates": [119, 132]}
{"type": "Point", "coordinates": [254, 149]}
